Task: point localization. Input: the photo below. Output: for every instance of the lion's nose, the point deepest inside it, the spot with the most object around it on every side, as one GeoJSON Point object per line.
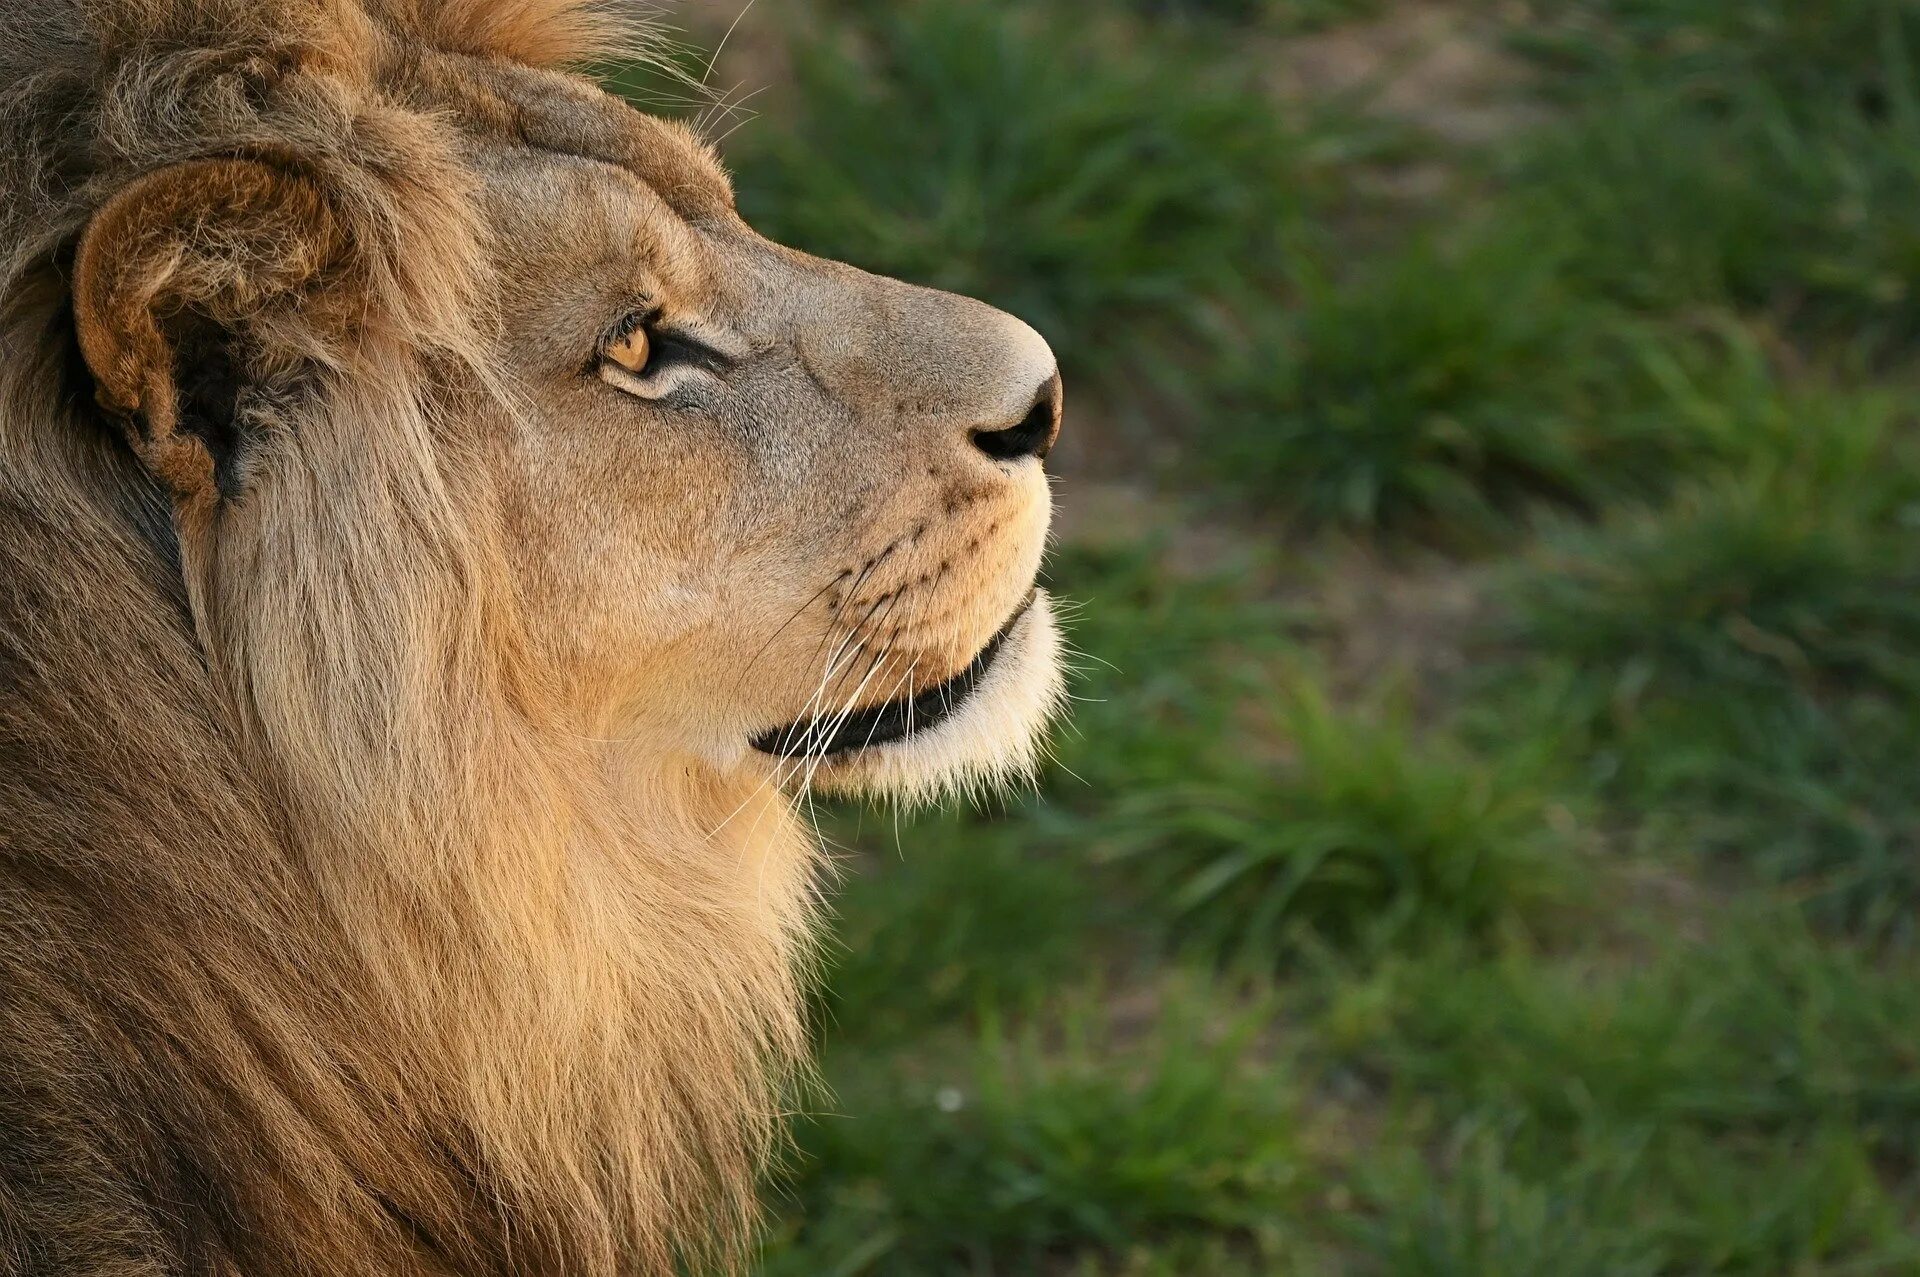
{"type": "Point", "coordinates": [1033, 434]}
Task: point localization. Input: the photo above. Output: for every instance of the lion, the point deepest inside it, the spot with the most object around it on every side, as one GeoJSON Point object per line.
{"type": "Point", "coordinates": [440, 545]}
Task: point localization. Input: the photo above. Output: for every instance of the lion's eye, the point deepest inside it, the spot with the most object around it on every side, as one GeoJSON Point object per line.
{"type": "Point", "coordinates": [632, 350]}
{"type": "Point", "coordinates": [639, 354]}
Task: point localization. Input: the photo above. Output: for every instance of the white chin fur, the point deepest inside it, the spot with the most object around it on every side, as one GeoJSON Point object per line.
{"type": "Point", "coordinates": [993, 738]}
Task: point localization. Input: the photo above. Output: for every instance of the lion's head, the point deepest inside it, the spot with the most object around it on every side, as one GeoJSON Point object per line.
{"type": "Point", "coordinates": [753, 506]}
{"type": "Point", "coordinates": [455, 533]}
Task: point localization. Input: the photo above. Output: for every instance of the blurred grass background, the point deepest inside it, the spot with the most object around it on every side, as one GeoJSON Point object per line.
{"type": "Point", "coordinates": [1487, 841]}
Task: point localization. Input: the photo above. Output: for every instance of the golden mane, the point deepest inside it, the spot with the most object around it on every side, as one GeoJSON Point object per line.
{"type": "Point", "coordinates": [461, 993]}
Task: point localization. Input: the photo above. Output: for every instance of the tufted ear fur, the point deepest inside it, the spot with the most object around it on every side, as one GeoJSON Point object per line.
{"type": "Point", "coordinates": [171, 282]}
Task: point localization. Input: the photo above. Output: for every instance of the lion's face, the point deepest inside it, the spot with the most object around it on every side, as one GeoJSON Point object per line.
{"type": "Point", "coordinates": [771, 509]}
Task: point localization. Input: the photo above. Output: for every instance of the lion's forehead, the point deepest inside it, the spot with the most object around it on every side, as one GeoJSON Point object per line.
{"type": "Point", "coordinates": [569, 115]}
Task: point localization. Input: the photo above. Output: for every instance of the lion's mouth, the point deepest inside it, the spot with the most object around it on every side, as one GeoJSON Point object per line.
{"type": "Point", "coordinates": [828, 736]}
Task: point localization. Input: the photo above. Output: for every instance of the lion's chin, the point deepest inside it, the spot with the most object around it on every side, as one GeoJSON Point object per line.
{"type": "Point", "coordinates": [993, 737]}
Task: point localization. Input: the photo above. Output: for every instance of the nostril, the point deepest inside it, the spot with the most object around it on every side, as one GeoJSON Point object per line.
{"type": "Point", "coordinates": [1033, 435]}
{"type": "Point", "coordinates": [1031, 438]}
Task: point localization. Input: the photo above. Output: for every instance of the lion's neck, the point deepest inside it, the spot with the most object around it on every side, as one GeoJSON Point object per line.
{"type": "Point", "coordinates": [600, 951]}
{"type": "Point", "coordinates": [592, 950]}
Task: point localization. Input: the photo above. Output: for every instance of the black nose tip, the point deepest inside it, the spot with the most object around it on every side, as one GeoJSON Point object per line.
{"type": "Point", "coordinates": [1033, 434]}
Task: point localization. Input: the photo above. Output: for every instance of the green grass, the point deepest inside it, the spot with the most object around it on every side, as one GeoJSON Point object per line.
{"type": "Point", "coordinates": [1445, 391]}
{"type": "Point", "coordinates": [1716, 169]}
{"type": "Point", "coordinates": [1210, 776]}
{"type": "Point", "coordinates": [1351, 831]}
{"type": "Point", "coordinates": [1626, 1205]}
{"type": "Point", "coordinates": [1760, 156]}
{"type": "Point", "coordinates": [1755, 1024]}
{"type": "Point", "coordinates": [1578, 937]}
{"type": "Point", "coordinates": [1015, 1152]}
{"type": "Point", "coordinates": [1744, 1104]}
{"type": "Point", "coordinates": [1842, 51]}
{"type": "Point", "coordinates": [1291, 16]}
{"type": "Point", "coordinates": [1673, 207]}
{"type": "Point", "coordinates": [950, 921]}
{"type": "Point", "coordinates": [1791, 575]}
{"type": "Point", "coordinates": [1099, 185]}
{"type": "Point", "coordinates": [1744, 663]}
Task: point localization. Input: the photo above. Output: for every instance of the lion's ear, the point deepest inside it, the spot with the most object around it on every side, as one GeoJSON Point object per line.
{"type": "Point", "coordinates": [168, 283]}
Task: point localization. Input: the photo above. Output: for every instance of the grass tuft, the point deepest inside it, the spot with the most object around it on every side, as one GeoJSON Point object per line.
{"type": "Point", "coordinates": [1742, 1104]}
{"type": "Point", "coordinates": [1021, 1152]}
{"type": "Point", "coordinates": [1761, 157]}
{"type": "Point", "coordinates": [1744, 665]}
{"type": "Point", "coordinates": [1444, 391]}
{"type": "Point", "coordinates": [1104, 189]}
{"type": "Point", "coordinates": [948, 920]}
{"type": "Point", "coordinates": [1352, 831]}
{"type": "Point", "coordinates": [1794, 574]}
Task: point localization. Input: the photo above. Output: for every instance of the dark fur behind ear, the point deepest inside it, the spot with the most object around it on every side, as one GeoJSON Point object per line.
{"type": "Point", "coordinates": [212, 383]}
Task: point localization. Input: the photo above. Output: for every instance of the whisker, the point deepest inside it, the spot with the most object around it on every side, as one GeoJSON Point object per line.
{"type": "Point", "coordinates": [839, 720]}
{"type": "Point", "coordinates": [721, 48]}
{"type": "Point", "coordinates": [746, 118]}
{"type": "Point", "coordinates": [755, 658]}
{"type": "Point", "coordinates": [724, 106]}
{"type": "Point", "coordinates": [874, 624]}
{"type": "Point", "coordinates": [827, 679]}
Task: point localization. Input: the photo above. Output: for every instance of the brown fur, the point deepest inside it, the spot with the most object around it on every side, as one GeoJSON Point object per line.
{"type": "Point", "coordinates": [385, 884]}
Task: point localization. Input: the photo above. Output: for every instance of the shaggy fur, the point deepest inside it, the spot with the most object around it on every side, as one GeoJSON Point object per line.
{"type": "Point", "coordinates": [385, 884]}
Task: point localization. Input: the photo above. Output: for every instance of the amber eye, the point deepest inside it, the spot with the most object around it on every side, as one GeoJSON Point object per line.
{"type": "Point", "coordinates": [632, 350]}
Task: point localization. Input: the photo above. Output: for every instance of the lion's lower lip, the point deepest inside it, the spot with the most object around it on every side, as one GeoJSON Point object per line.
{"type": "Point", "coordinates": [895, 720]}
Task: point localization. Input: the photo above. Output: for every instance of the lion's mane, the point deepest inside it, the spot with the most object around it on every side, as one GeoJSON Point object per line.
{"type": "Point", "coordinates": [322, 949]}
